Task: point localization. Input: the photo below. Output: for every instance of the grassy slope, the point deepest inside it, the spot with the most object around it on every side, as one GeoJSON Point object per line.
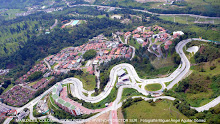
{"type": "Point", "coordinates": [134, 43]}
{"type": "Point", "coordinates": [200, 78]}
{"type": "Point", "coordinates": [162, 62]}
{"type": "Point", "coordinates": [129, 92]}
{"type": "Point", "coordinates": [202, 98]}
{"type": "Point", "coordinates": [162, 110]}
{"type": "Point", "coordinates": [88, 81]}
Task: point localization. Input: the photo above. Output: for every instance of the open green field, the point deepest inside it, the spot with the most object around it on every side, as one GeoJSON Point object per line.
{"type": "Point", "coordinates": [31, 84]}
{"type": "Point", "coordinates": [89, 82]}
{"type": "Point", "coordinates": [186, 19]}
{"type": "Point", "coordinates": [162, 62]}
{"type": "Point", "coordinates": [101, 16]}
{"type": "Point", "coordinates": [163, 109]}
{"type": "Point", "coordinates": [153, 87]}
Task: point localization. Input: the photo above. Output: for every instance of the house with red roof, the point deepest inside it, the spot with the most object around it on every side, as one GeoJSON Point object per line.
{"type": "Point", "coordinates": [136, 36]}
{"type": "Point", "coordinates": [166, 47]}
{"type": "Point", "coordinates": [168, 42]}
{"type": "Point", "coordinates": [90, 70]}
{"type": "Point", "coordinates": [144, 44]}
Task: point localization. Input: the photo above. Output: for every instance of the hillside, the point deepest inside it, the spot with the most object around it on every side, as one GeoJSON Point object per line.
{"type": "Point", "coordinates": [197, 7]}
{"type": "Point", "coordinates": [21, 4]}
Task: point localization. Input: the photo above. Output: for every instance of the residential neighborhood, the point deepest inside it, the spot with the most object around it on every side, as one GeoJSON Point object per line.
{"type": "Point", "coordinates": [5, 71]}
{"type": "Point", "coordinates": [17, 96]}
{"type": "Point", "coordinates": [72, 57]}
{"type": "Point", "coordinates": [156, 36]}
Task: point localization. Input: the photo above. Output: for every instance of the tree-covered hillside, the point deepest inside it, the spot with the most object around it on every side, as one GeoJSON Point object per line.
{"type": "Point", "coordinates": [20, 4]}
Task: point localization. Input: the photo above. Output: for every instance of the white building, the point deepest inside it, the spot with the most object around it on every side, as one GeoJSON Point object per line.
{"type": "Point", "coordinates": [178, 32]}
{"type": "Point", "coordinates": [59, 88]}
{"type": "Point", "coordinates": [121, 73]}
{"type": "Point", "coordinates": [95, 62]}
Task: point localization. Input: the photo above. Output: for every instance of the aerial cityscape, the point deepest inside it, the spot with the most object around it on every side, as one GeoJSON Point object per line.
{"type": "Point", "coordinates": [110, 62]}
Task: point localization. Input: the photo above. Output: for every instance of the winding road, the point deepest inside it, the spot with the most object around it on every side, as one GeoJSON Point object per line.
{"type": "Point", "coordinates": [77, 87]}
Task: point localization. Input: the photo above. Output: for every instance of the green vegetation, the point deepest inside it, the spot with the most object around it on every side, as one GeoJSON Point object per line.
{"type": "Point", "coordinates": [207, 53]}
{"type": "Point", "coordinates": [153, 87]}
{"type": "Point", "coordinates": [35, 113]}
{"type": "Point", "coordinates": [198, 7]}
{"type": "Point", "coordinates": [10, 14]}
{"type": "Point", "coordinates": [167, 83]}
{"type": "Point", "coordinates": [186, 19]}
{"type": "Point", "coordinates": [15, 35]}
{"type": "Point", "coordinates": [51, 104]}
{"type": "Point", "coordinates": [52, 67]}
{"type": "Point", "coordinates": [202, 85]}
{"type": "Point", "coordinates": [162, 109]}
{"type": "Point", "coordinates": [8, 87]}
{"type": "Point", "coordinates": [90, 54]}
{"type": "Point", "coordinates": [101, 16]}
{"type": "Point", "coordinates": [127, 4]}
{"type": "Point", "coordinates": [211, 116]}
{"type": "Point", "coordinates": [162, 62]}
{"type": "Point", "coordinates": [134, 43]}
{"type": "Point", "coordinates": [86, 94]}
{"type": "Point", "coordinates": [129, 92]}
{"type": "Point", "coordinates": [36, 75]}
{"type": "Point", "coordinates": [40, 46]}
{"type": "Point", "coordinates": [89, 81]}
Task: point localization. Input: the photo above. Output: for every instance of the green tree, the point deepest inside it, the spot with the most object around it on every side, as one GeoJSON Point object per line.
{"type": "Point", "coordinates": [90, 54]}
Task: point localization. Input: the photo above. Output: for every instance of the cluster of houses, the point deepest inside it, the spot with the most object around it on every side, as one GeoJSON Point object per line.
{"type": "Point", "coordinates": [20, 95]}
{"type": "Point", "coordinates": [5, 71]}
{"type": "Point", "coordinates": [41, 83]}
{"type": "Point", "coordinates": [17, 96]}
{"type": "Point", "coordinates": [156, 33]}
{"type": "Point", "coordinates": [38, 8]}
{"type": "Point", "coordinates": [38, 67]}
{"type": "Point", "coordinates": [103, 8]}
{"type": "Point", "coordinates": [72, 57]}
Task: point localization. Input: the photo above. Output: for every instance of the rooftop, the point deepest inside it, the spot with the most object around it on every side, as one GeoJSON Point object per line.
{"type": "Point", "coordinates": [121, 72]}
{"type": "Point", "coordinates": [60, 101]}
